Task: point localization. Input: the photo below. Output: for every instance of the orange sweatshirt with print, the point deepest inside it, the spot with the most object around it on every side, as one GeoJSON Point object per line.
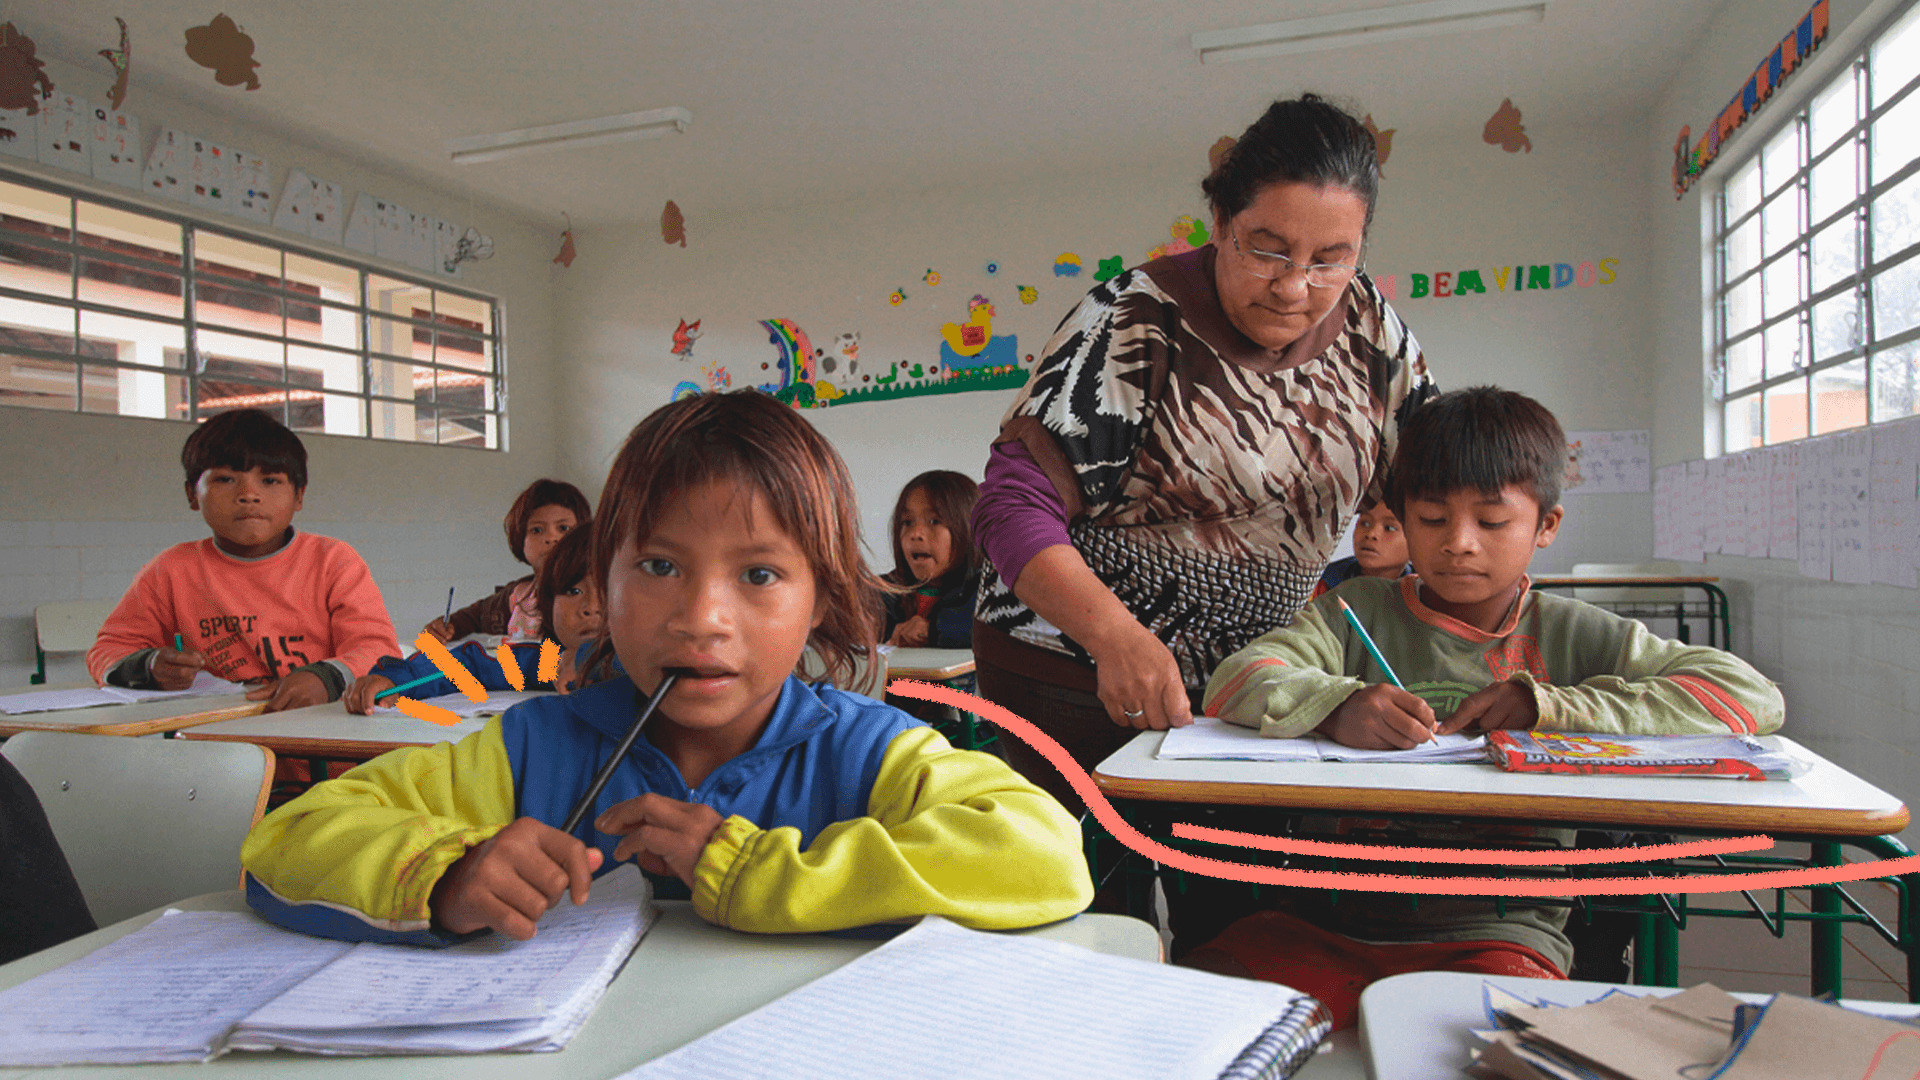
{"type": "Point", "coordinates": [310, 602]}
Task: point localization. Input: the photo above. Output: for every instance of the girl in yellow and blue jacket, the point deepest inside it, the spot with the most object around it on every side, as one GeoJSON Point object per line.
{"type": "Point", "coordinates": [726, 542]}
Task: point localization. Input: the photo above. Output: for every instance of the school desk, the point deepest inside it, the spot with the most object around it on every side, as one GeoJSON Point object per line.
{"type": "Point", "coordinates": [1714, 608]}
{"type": "Point", "coordinates": [137, 718]}
{"type": "Point", "coordinates": [324, 733]}
{"type": "Point", "coordinates": [929, 665]}
{"type": "Point", "coordinates": [686, 979]}
{"type": "Point", "coordinates": [1827, 808]}
{"type": "Point", "coordinates": [1418, 1026]}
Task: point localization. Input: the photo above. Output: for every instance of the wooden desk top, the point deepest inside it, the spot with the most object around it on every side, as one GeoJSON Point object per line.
{"type": "Point", "coordinates": [687, 978]}
{"type": "Point", "coordinates": [331, 731]}
{"type": "Point", "coordinates": [138, 718]}
{"type": "Point", "coordinates": [1827, 801]}
{"type": "Point", "coordinates": [929, 665]}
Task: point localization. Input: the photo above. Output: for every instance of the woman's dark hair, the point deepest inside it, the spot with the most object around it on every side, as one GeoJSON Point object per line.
{"type": "Point", "coordinates": [538, 494]}
{"type": "Point", "coordinates": [1304, 140]}
{"type": "Point", "coordinates": [245, 439]}
{"type": "Point", "coordinates": [568, 564]}
{"type": "Point", "coordinates": [750, 439]}
{"type": "Point", "coordinates": [1482, 438]}
{"type": "Point", "coordinates": [952, 496]}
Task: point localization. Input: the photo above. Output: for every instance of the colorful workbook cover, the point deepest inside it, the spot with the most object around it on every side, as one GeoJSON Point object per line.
{"type": "Point", "coordinates": [1735, 756]}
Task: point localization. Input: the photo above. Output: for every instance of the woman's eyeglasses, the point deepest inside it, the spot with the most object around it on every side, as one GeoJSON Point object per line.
{"type": "Point", "coordinates": [1268, 265]}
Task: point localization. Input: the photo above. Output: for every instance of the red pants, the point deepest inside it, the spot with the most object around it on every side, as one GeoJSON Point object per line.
{"type": "Point", "coordinates": [1280, 948]}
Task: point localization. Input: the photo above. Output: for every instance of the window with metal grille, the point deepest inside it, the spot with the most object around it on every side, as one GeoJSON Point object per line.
{"type": "Point", "coordinates": [109, 307]}
{"type": "Point", "coordinates": [1816, 255]}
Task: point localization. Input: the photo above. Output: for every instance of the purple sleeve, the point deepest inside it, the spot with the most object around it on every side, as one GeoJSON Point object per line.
{"type": "Point", "coordinates": [1018, 514]}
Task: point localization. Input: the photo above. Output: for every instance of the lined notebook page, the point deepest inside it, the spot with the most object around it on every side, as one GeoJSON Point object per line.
{"type": "Point", "coordinates": [87, 697]}
{"type": "Point", "coordinates": [1033, 1010]}
{"type": "Point", "coordinates": [167, 992]}
{"type": "Point", "coordinates": [1212, 739]}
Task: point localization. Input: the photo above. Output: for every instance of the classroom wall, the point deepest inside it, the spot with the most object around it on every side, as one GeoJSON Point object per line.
{"type": "Point", "coordinates": [1847, 657]}
{"type": "Point", "coordinates": [1449, 201]}
{"type": "Point", "coordinates": [86, 500]}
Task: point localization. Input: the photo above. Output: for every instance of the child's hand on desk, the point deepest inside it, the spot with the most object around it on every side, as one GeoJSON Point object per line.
{"type": "Point", "coordinates": [1380, 717]}
{"type": "Point", "coordinates": [174, 670]}
{"type": "Point", "coordinates": [359, 697]}
{"type": "Point", "coordinates": [441, 629]}
{"type": "Point", "coordinates": [666, 835]}
{"type": "Point", "coordinates": [910, 634]}
{"type": "Point", "coordinates": [508, 882]}
{"type": "Point", "coordinates": [1490, 708]}
{"type": "Point", "coordinates": [296, 691]}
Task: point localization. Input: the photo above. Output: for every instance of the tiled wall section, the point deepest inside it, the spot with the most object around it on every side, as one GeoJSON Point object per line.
{"type": "Point", "coordinates": [1847, 657]}
{"type": "Point", "coordinates": [414, 563]}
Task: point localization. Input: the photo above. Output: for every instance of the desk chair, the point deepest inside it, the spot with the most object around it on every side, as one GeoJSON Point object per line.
{"type": "Point", "coordinates": [69, 626]}
{"type": "Point", "coordinates": [145, 821]}
{"type": "Point", "coordinates": [1644, 601]}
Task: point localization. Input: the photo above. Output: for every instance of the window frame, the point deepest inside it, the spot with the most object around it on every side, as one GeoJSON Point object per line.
{"type": "Point", "coordinates": [193, 277]}
{"type": "Point", "coordinates": [1868, 264]}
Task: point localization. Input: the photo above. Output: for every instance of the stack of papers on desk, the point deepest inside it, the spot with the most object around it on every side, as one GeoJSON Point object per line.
{"type": "Point", "coordinates": [1211, 739]}
{"type": "Point", "coordinates": [497, 702]}
{"type": "Point", "coordinates": [1703, 1031]}
{"type": "Point", "coordinates": [86, 697]}
{"type": "Point", "coordinates": [195, 984]}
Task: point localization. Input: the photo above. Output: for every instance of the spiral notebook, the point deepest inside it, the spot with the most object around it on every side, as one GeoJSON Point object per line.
{"type": "Point", "coordinates": [943, 1001]}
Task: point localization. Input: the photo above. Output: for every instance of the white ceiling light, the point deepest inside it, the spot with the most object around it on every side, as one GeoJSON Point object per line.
{"type": "Point", "coordinates": [1343, 31]}
{"type": "Point", "coordinates": [472, 149]}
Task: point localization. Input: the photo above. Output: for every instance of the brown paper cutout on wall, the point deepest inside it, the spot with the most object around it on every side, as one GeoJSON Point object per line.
{"type": "Point", "coordinates": [119, 58]}
{"type": "Point", "coordinates": [22, 83]}
{"type": "Point", "coordinates": [224, 47]}
{"type": "Point", "coordinates": [1382, 141]}
{"type": "Point", "coordinates": [567, 252]}
{"type": "Point", "coordinates": [673, 224]}
{"type": "Point", "coordinates": [1504, 130]}
{"type": "Point", "coordinates": [1218, 152]}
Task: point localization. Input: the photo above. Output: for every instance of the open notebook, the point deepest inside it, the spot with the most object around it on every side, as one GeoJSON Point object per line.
{"type": "Point", "coordinates": [195, 984]}
{"type": "Point", "coordinates": [86, 697]}
{"type": "Point", "coordinates": [1210, 738]}
{"type": "Point", "coordinates": [1032, 1009]}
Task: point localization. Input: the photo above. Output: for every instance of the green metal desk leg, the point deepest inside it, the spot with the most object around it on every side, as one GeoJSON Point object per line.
{"type": "Point", "coordinates": [1888, 847]}
{"type": "Point", "coordinates": [1667, 951]}
{"type": "Point", "coordinates": [1827, 954]}
{"type": "Point", "coordinates": [1646, 945]}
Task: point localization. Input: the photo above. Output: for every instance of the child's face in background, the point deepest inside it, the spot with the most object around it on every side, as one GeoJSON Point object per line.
{"type": "Point", "coordinates": [1471, 549]}
{"type": "Point", "coordinates": [578, 614]}
{"type": "Point", "coordinates": [720, 588]}
{"type": "Point", "coordinates": [545, 528]}
{"type": "Point", "coordinates": [1378, 544]}
{"type": "Point", "coordinates": [248, 511]}
{"type": "Point", "coordinates": [924, 538]}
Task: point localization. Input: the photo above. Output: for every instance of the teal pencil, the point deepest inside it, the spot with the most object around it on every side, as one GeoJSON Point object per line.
{"type": "Point", "coordinates": [392, 690]}
{"type": "Point", "coordinates": [179, 643]}
{"type": "Point", "coordinates": [1367, 640]}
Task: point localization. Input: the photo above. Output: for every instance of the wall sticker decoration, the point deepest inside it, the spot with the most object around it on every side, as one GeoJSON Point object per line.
{"type": "Point", "coordinates": [222, 46]}
{"type": "Point", "coordinates": [1505, 131]}
{"type": "Point", "coordinates": [1780, 62]}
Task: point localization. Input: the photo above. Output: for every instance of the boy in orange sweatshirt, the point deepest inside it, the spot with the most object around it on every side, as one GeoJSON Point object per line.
{"type": "Point", "coordinates": [295, 614]}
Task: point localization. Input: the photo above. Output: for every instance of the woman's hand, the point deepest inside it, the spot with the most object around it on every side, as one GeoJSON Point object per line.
{"type": "Point", "coordinates": [511, 880]}
{"type": "Point", "coordinates": [360, 697]}
{"type": "Point", "coordinates": [1140, 680]}
{"type": "Point", "coordinates": [665, 836]}
{"type": "Point", "coordinates": [910, 634]}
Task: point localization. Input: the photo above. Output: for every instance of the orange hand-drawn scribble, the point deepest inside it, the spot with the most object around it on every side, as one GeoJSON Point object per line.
{"type": "Point", "coordinates": [1886, 1045]}
{"type": "Point", "coordinates": [549, 661]}
{"type": "Point", "coordinates": [454, 670]}
{"type": "Point", "coordinates": [510, 666]}
{"type": "Point", "coordinates": [1142, 844]}
{"type": "Point", "coordinates": [420, 710]}
{"type": "Point", "coordinates": [1477, 856]}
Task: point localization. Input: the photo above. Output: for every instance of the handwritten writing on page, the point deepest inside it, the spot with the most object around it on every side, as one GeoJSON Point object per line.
{"type": "Point", "coordinates": [1783, 541]}
{"type": "Point", "coordinates": [168, 992]}
{"type": "Point", "coordinates": [1847, 490]}
{"type": "Point", "coordinates": [1894, 485]}
{"type": "Point", "coordinates": [1816, 558]}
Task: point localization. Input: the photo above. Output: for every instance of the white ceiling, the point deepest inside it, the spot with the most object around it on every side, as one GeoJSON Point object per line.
{"type": "Point", "coordinates": [810, 100]}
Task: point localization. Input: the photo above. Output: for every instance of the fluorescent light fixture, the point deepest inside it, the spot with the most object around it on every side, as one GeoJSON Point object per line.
{"type": "Point", "coordinates": [1343, 31]}
{"type": "Point", "coordinates": [473, 149]}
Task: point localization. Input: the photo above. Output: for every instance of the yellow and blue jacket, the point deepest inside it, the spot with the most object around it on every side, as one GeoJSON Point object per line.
{"type": "Point", "coordinates": [845, 813]}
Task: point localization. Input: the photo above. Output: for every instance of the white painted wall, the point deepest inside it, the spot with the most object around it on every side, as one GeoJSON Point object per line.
{"type": "Point", "coordinates": [1846, 656]}
{"type": "Point", "coordinates": [1450, 201]}
{"type": "Point", "coordinates": [85, 500]}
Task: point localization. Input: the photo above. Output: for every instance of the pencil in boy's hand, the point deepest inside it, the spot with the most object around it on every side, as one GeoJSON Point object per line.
{"type": "Point", "coordinates": [179, 643]}
{"type": "Point", "coordinates": [448, 617]}
{"type": "Point", "coordinates": [1367, 640]}
{"type": "Point", "coordinates": [408, 685]}
{"type": "Point", "coordinates": [667, 679]}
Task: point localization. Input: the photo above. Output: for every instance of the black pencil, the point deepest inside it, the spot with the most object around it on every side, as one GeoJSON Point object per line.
{"type": "Point", "coordinates": [600, 778]}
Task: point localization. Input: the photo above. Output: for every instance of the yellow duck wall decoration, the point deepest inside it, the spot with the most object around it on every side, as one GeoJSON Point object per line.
{"type": "Point", "coordinates": [970, 337]}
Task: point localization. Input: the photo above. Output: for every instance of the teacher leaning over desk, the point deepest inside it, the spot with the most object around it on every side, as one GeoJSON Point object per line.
{"type": "Point", "coordinates": [1190, 448]}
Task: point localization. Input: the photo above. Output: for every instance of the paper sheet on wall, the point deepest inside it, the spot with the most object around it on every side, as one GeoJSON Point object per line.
{"type": "Point", "coordinates": [1663, 485]}
{"type": "Point", "coordinates": [1759, 503]}
{"type": "Point", "coordinates": [295, 211]}
{"type": "Point", "coordinates": [1847, 490]}
{"type": "Point", "coordinates": [20, 134]}
{"type": "Point", "coordinates": [65, 133]}
{"type": "Point", "coordinates": [116, 147]}
{"type": "Point", "coordinates": [1783, 506]}
{"type": "Point", "coordinates": [1733, 506]}
{"type": "Point", "coordinates": [446, 245]}
{"type": "Point", "coordinates": [1692, 514]}
{"type": "Point", "coordinates": [251, 180]}
{"type": "Point", "coordinates": [1713, 516]}
{"type": "Point", "coordinates": [1894, 493]}
{"type": "Point", "coordinates": [207, 175]}
{"type": "Point", "coordinates": [420, 230]}
{"type": "Point", "coordinates": [390, 237]}
{"type": "Point", "coordinates": [1610, 462]}
{"type": "Point", "coordinates": [165, 174]}
{"type": "Point", "coordinates": [327, 215]}
{"type": "Point", "coordinates": [1810, 492]}
{"type": "Point", "coordinates": [363, 225]}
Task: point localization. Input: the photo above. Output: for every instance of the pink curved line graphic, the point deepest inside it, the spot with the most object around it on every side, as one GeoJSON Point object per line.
{"type": "Point", "coordinates": [1142, 844]}
{"type": "Point", "coordinates": [1477, 856]}
{"type": "Point", "coordinates": [1881, 1052]}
